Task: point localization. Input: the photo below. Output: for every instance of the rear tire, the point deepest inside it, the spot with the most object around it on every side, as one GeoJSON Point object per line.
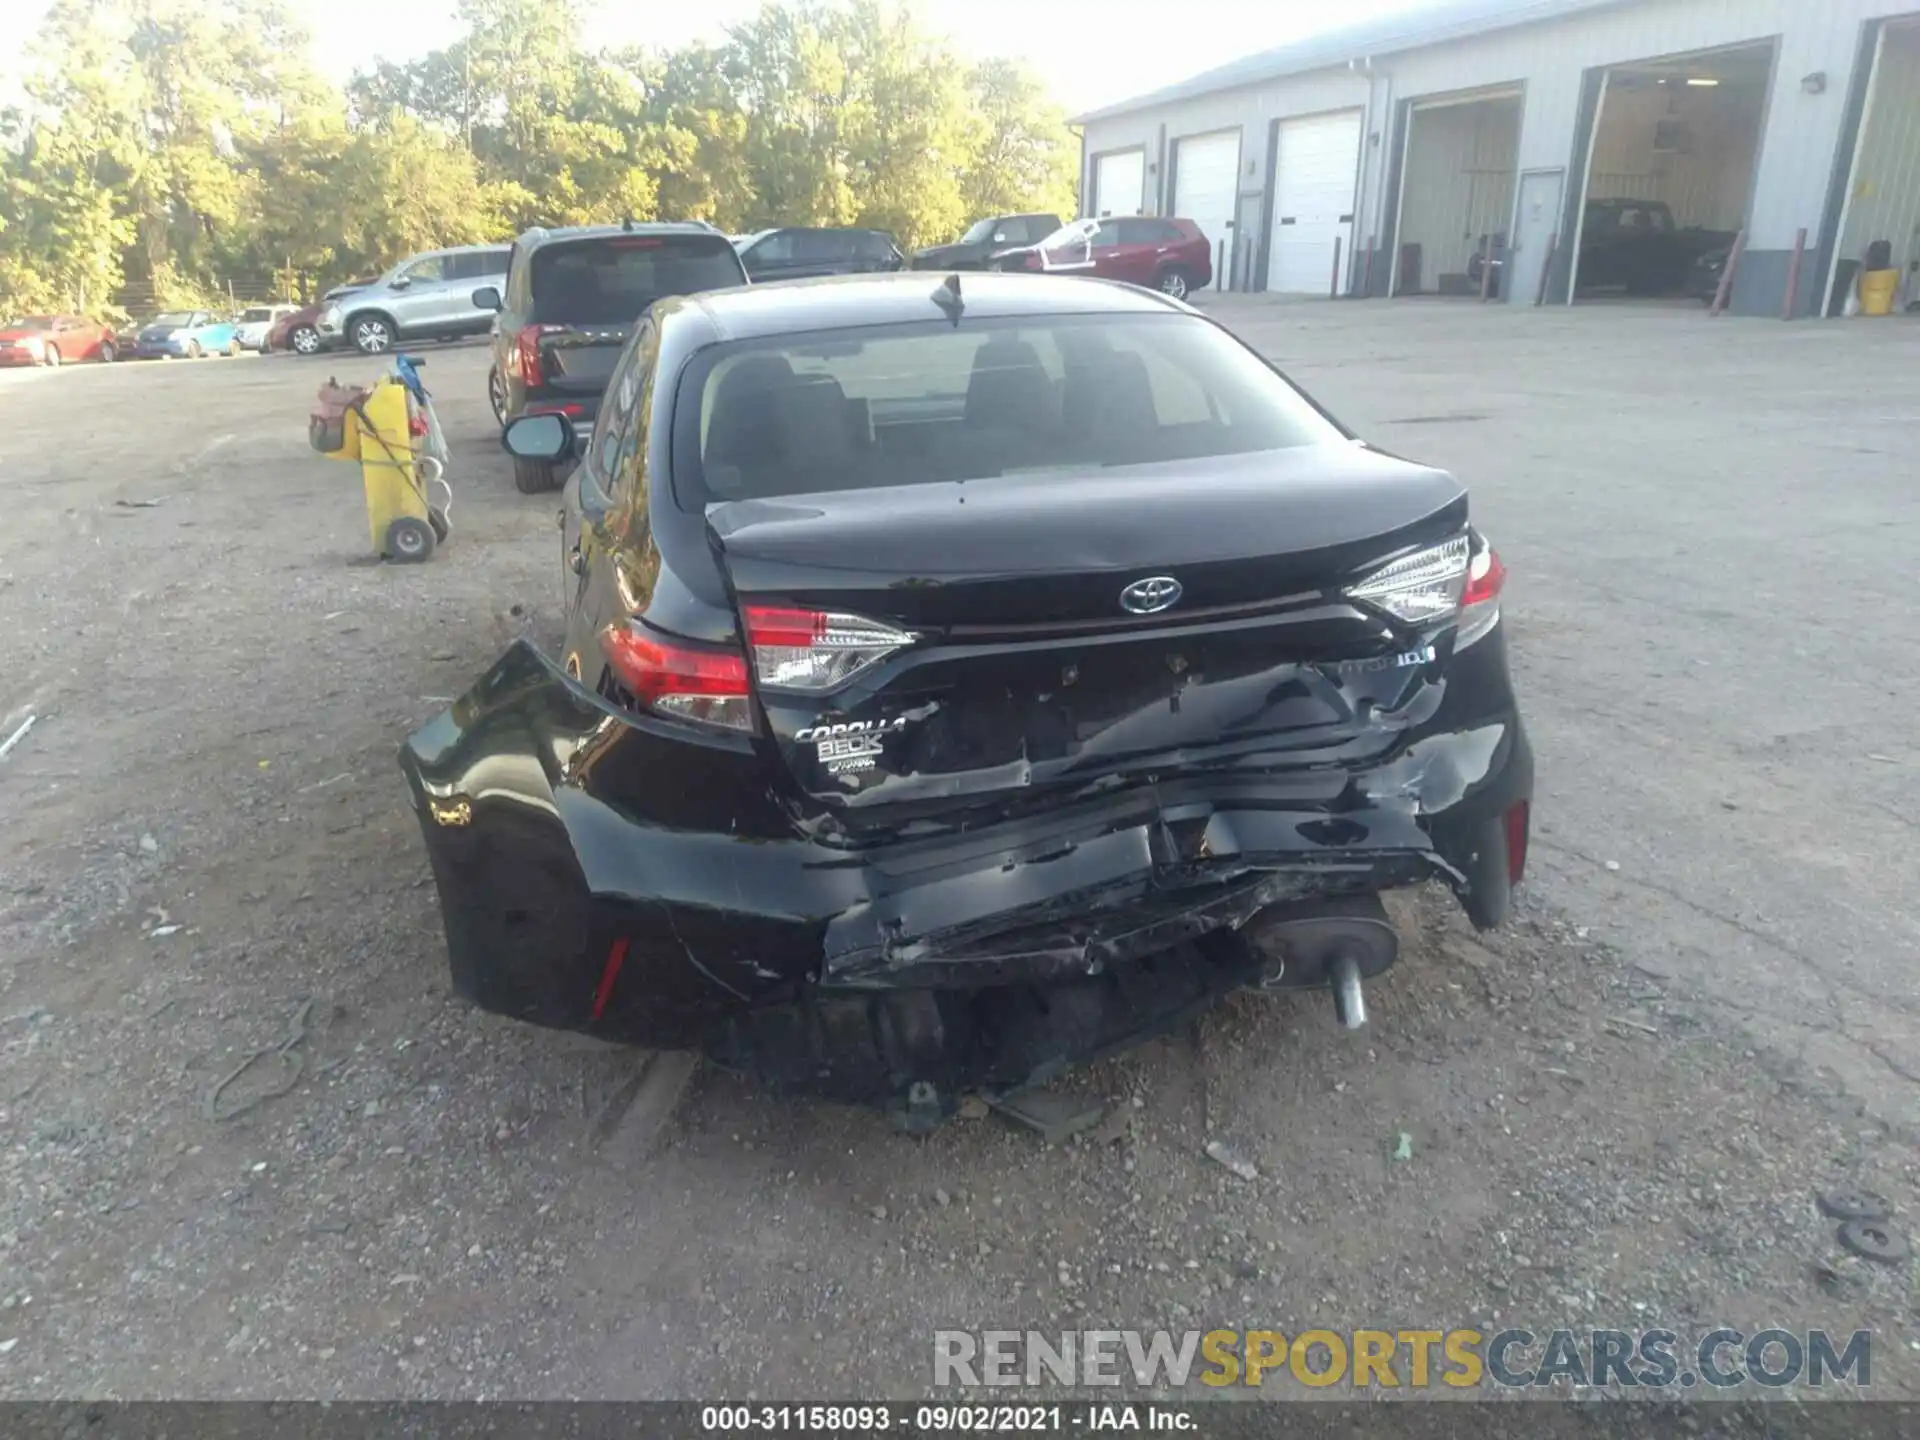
{"type": "Point", "coordinates": [108, 354]}
{"type": "Point", "coordinates": [1173, 281]}
{"type": "Point", "coordinates": [234, 347]}
{"type": "Point", "coordinates": [497, 397]}
{"type": "Point", "coordinates": [534, 477]}
{"type": "Point", "coordinates": [409, 540]}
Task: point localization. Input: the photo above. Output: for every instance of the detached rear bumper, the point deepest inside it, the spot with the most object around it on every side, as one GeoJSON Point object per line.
{"type": "Point", "coordinates": [600, 871]}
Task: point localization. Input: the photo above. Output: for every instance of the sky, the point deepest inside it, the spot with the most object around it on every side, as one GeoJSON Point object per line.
{"type": "Point", "coordinates": [1089, 52]}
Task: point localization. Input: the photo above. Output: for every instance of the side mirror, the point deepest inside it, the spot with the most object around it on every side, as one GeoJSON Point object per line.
{"type": "Point", "coordinates": [538, 437]}
{"type": "Point", "coordinates": [400, 282]}
{"type": "Point", "coordinates": [487, 297]}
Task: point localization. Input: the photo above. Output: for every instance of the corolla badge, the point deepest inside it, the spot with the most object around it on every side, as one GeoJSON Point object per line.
{"type": "Point", "coordinates": [1150, 596]}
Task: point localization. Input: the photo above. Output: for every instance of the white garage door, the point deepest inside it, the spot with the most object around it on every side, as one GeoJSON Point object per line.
{"type": "Point", "coordinates": [1313, 188]}
{"type": "Point", "coordinates": [1206, 187]}
{"type": "Point", "coordinates": [1119, 182]}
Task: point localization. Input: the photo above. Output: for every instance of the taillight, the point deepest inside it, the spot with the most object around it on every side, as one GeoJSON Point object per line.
{"type": "Point", "coordinates": [704, 684]}
{"type": "Point", "coordinates": [1459, 578]}
{"type": "Point", "coordinates": [816, 649]}
{"type": "Point", "coordinates": [1421, 587]}
{"type": "Point", "coordinates": [1480, 600]}
{"type": "Point", "coordinates": [526, 353]}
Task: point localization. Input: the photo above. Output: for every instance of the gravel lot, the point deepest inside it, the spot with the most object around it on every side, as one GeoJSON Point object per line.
{"type": "Point", "coordinates": [1619, 1110]}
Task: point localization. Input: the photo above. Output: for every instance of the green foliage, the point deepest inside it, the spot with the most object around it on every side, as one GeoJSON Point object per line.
{"type": "Point", "coordinates": [168, 144]}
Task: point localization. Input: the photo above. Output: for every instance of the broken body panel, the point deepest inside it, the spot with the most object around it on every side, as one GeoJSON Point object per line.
{"type": "Point", "coordinates": [1034, 822]}
{"type": "Point", "coordinates": [579, 892]}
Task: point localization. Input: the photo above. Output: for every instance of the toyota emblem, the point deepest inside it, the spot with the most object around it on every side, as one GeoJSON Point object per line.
{"type": "Point", "coordinates": [1150, 596]}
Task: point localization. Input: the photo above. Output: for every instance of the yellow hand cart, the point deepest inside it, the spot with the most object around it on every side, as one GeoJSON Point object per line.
{"type": "Point", "coordinates": [392, 431]}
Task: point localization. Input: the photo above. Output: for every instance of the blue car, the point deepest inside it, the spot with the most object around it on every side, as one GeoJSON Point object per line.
{"type": "Point", "coordinates": [186, 334]}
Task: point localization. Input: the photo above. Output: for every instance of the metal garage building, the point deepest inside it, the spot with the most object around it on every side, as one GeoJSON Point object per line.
{"type": "Point", "coordinates": [1379, 159]}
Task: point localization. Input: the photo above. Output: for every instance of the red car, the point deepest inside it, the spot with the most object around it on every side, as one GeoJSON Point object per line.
{"type": "Point", "coordinates": [300, 332]}
{"type": "Point", "coordinates": [1171, 256]}
{"type": "Point", "coordinates": [296, 332]}
{"type": "Point", "coordinates": [54, 340]}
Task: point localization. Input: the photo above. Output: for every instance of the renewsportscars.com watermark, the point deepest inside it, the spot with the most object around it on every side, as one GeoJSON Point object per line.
{"type": "Point", "coordinates": [1403, 1359]}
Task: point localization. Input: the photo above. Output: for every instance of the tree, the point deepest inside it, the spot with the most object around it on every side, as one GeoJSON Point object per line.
{"type": "Point", "coordinates": [910, 135]}
{"type": "Point", "coordinates": [1024, 157]}
{"type": "Point", "coordinates": [793, 85]}
{"type": "Point", "coordinates": [406, 187]}
{"type": "Point", "coordinates": [700, 134]}
{"type": "Point", "coordinates": [168, 145]}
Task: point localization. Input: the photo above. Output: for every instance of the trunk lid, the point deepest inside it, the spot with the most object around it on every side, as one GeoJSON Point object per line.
{"type": "Point", "coordinates": [577, 360]}
{"type": "Point", "coordinates": [1028, 672]}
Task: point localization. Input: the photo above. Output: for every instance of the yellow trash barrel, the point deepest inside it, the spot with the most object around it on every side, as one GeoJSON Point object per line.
{"type": "Point", "coordinates": [1877, 288]}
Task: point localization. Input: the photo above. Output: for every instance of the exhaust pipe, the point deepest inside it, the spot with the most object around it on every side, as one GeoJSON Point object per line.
{"type": "Point", "coordinates": [1349, 1000]}
{"type": "Point", "coordinates": [1338, 941]}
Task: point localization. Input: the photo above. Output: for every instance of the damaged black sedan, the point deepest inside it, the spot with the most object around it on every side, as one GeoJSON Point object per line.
{"type": "Point", "coordinates": [961, 681]}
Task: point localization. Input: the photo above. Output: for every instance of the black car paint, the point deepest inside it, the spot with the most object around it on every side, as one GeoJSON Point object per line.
{"type": "Point", "coordinates": [1654, 262]}
{"type": "Point", "coordinates": [617, 872]}
{"type": "Point", "coordinates": [849, 251]}
{"type": "Point", "coordinates": [1647, 260]}
{"type": "Point", "coordinates": [1018, 230]}
{"type": "Point", "coordinates": [1703, 275]}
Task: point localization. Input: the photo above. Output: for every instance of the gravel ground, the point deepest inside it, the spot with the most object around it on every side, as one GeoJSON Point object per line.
{"type": "Point", "coordinates": [1618, 1110]}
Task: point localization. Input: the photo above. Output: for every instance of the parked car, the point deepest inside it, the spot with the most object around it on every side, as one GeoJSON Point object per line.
{"type": "Point", "coordinates": [256, 320]}
{"type": "Point", "coordinates": [428, 295]}
{"type": "Point", "coordinates": [1171, 256]}
{"type": "Point", "coordinates": [1634, 245]}
{"type": "Point", "coordinates": [55, 340]}
{"type": "Point", "coordinates": [297, 330]}
{"type": "Point", "coordinates": [1703, 275]}
{"type": "Point", "coordinates": [985, 238]}
{"type": "Point", "coordinates": [887, 797]}
{"type": "Point", "coordinates": [796, 252]}
{"type": "Point", "coordinates": [571, 298]}
{"type": "Point", "coordinates": [186, 335]}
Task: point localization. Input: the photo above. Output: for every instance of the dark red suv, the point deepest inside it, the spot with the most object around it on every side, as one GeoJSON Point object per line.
{"type": "Point", "coordinates": [1171, 256]}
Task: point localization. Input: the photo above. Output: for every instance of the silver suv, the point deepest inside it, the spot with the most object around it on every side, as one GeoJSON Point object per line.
{"type": "Point", "coordinates": [429, 294]}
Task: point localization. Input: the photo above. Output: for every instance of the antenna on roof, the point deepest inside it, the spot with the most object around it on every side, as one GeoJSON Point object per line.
{"type": "Point", "coordinates": [947, 297]}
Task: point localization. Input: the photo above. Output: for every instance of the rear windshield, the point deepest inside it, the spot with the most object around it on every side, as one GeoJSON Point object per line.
{"type": "Point", "coordinates": [257, 312]}
{"type": "Point", "coordinates": [611, 279]}
{"type": "Point", "coordinates": [924, 404]}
